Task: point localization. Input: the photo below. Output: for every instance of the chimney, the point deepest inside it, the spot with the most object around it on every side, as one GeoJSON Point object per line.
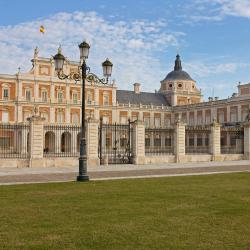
{"type": "Point", "coordinates": [137, 88]}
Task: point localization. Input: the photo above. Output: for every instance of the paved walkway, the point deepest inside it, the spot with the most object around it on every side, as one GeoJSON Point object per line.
{"type": "Point", "coordinates": [63, 174]}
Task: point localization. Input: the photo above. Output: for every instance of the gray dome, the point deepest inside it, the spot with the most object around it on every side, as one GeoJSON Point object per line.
{"type": "Point", "coordinates": [178, 73]}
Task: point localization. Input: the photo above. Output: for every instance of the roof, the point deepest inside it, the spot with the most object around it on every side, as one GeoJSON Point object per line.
{"type": "Point", "coordinates": [144, 98]}
{"type": "Point", "coordinates": [178, 73]}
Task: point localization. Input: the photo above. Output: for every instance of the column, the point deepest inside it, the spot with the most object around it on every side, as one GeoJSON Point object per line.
{"type": "Point", "coordinates": [36, 141]}
{"type": "Point", "coordinates": [138, 143]}
{"type": "Point", "coordinates": [195, 117]}
{"type": "Point", "coordinates": [215, 147]}
{"type": "Point", "coordinates": [58, 139]}
{"type": "Point", "coordinates": [52, 115]}
{"type": "Point", "coordinates": [67, 93]}
{"type": "Point", "coordinates": [188, 118]}
{"type": "Point", "coordinates": [36, 91]}
{"type": "Point", "coordinates": [52, 92]}
{"type": "Point", "coordinates": [152, 121]}
{"type": "Point", "coordinates": [163, 125]}
{"type": "Point", "coordinates": [74, 141]}
{"type": "Point", "coordinates": [67, 115]}
{"type": "Point", "coordinates": [228, 114]}
{"type": "Point", "coordinates": [239, 113]}
{"type": "Point", "coordinates": [179, 141]}
{"type": "Point", "coordinates": [92, 142]}
{"type": "Point", "coordinates": [247, 140]}
{"type": "Point", "coordinates": [96, 96]}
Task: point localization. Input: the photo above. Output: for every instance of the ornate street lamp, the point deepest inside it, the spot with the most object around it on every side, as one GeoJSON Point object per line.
{"type": "Point", "coordinates": [83, 74]}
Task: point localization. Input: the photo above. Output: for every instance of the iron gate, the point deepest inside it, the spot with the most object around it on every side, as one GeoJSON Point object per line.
{"type": "Point", "coordinates": [115, 143]}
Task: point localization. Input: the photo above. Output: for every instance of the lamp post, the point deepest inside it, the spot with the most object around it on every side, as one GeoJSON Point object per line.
{"type": "Point", "coordinates": [83, 74]}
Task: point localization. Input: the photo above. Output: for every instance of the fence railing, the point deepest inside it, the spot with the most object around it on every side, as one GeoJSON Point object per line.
{"type": "Point", "coordinates": [14, 140]}
{"type": "Point", "coordinates": [159, 141]}
{"type": "Point", "coordinates": [232, 140]}
{"type": "Point", "coordinates": [197, 139]}
{"type": "Point", "coordinates": [61, 140]}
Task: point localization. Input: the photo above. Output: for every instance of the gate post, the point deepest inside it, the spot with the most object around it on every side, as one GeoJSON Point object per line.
{"type": "Point", "coordinates": [138, 143]}
{"type": "Point", "coordinates": [180, 141]}
{"type": "Point", "coordinates": [36, 141]}
{"type": "Point", "coordinates": [92, 142]}
{"type": "Point", "coordinates": [215, 144]}
{"type": "Point", "coordinates": [247, 140]}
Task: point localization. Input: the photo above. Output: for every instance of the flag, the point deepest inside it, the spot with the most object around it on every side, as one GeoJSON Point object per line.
{"type": "Point", "coordinates": [42, 29]}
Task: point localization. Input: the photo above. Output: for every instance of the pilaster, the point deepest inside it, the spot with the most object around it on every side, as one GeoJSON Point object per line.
{"type": "Point", "coordinates": [180, 141]}
{"type": "Point", "coordinates": [36, 141]}
{"type": "Point", "coordinates": [215, 147]}
{"type": "Point", "coordinates": [247, 140]}
{"type": "Point", "coordinates": [138, 143]}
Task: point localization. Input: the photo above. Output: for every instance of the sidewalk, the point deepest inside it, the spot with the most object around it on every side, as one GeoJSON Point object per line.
{"type": "Point", "coordinates": [63, 174]}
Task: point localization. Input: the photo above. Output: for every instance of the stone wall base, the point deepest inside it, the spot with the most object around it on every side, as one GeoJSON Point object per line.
{"type": "Point", "coordinates": [139, 160]}
{"type": "Point", "coordinates": [159, 159]}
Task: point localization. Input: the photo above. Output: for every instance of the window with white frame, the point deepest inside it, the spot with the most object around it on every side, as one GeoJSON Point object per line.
{"type": "Point", "coordinates": [60, 96]}
{"type": "Point", "coordinates": [233, 116]}
{"type": "Point", "coordinates": [44, 95]}
{"type": "Point", "coordinates": [167, 121]}
{"type": "Point", "coordinates": [5, 116]}
{"type": "Point", "coordinates": [221, 117]}
{"type": "Point", "coordinates": [60, 117]}
{"type": "Point", "coordinates": [146, 121]}
{"type": "Point", "coordinates": [27, 94]}
{"type": "Point", "coordinates": [106, 99]}
{"type": "Point", "coordinates": [75, 118]}
{"type": "Point", "coordinates": [6, 93]}
{"type": "Point", "coordinates": [199, 119]}
{"type": "Point", "coordinates": [89, 97]}
{"type": "Point", "coordinates": [207, 119]}
{"type": "Point", "coordinates": [75, 97]}
{"type": "Point", "coordinates": [123, 119]}
{"type": "Point", "coordinates": [105, 119]}
{"type": "Point", "coordinates": [157, 122]}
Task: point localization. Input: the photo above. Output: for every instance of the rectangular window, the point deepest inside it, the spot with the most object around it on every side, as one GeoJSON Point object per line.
{"type": "Point", "coordinates": [89, 98]}
{"type": "Point", "coordinates": [44, 96]}
{"type": "Point", "coordinates": [123, 119]}
{"type": "Point", "coordinates": [157, 142]}
{"type": "Point", "coordinates": [157, 122]}
{"type": "Point", "coordinates": [27, 94]}
{"type": "Point", "coordinates": [6, 94]}
{"type": "Point", "coordinates": [75, 97]}
{"type": "Point", "coordinates": [168, 142]}
{"type": "Point", "coordinates": [199, 141]}
{"type": "Point", "coordinates": [106, 99]}
{"type": "Point", "coordinates": [147, 122]}
{"type": "Point", "coordinates": [60, 97]}
{"type": "Point", "coordinates": [191, 141]}
{"type": "Point", "coordinates": [5, 116]}
{"type": "Point", "coordinates": [60, 117]}
{"type": "Point", "coordinates": [147, 142]}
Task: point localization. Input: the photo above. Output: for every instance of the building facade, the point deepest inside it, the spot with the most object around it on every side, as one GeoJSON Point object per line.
{"type": "Point", "coordinates": [58, 102]}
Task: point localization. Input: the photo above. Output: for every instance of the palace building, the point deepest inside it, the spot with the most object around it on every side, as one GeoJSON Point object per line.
{"type": "Point", "coordinates": [58, 102]}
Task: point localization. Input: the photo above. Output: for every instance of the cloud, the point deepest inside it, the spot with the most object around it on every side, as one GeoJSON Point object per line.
{"type": "Point", "coordinates": [131, 45]}
{"type": "Point", "coordinates": [202, 69]}
{"type": "Point", "coordinates": [217, 10]}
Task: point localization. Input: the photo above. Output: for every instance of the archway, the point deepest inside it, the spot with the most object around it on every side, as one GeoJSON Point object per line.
{"type": "Point", "coordinates": [66, 142]}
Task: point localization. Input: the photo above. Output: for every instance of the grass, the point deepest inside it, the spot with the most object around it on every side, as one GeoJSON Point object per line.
{"type": "Point", "coordinates": [192, 212]}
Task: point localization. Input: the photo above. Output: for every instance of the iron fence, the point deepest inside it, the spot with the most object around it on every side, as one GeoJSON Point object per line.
{"type": "Point", "coordinates": [197, 139]}
{"type": "Point", "coordinates": [62, 140]}
{"type": "Point", "coordinates": [159, 141]}
{"type": "Point", "coordinates": [115, 143]}
{"type": "Point", "coordinates": [14, 140]}
{"type": "Point", "coordinates": [232, 140]}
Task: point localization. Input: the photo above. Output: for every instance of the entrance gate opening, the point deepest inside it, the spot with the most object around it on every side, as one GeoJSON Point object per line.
{"type": "Point", "coordinates": [115, 143]}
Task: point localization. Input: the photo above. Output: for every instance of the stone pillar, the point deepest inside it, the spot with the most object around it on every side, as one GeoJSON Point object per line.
{"type": "Point", "coordinates": [247, 140]}
{"type": "Point", "coordinates": [74, 141]}
{"type": "Point", "coordinates": [36, 91]}
{"type": "Point", "coordinates": [138, 143]}
{"type": "Point", "coordinates": [36, 141]}
{"type": "Point", "coordinates": [239, 113]}
{"type": "Point", "coordinates": [179, 141]}
{"type": "Point", "coordinates": [92, 142]}
{"type": "Point", "coordinates": [96, 96]}
{"type": "Point", "coordinates": [52, 92]}
{"type": "Point", "coordinates": [67, 92]}
{"type": "Point", "coordinates": [215, 147]}
{"type": "Point", "coordinates": [67, 115]}
{"type": "Point", "coordinates": [228, 114]}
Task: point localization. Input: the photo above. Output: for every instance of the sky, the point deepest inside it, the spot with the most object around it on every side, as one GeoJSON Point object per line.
{"type": "Point", "coordinates": [140, 37]}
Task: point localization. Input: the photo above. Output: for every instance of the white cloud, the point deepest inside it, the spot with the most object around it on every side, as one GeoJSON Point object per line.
{"type": "Point", "coordinates": [131, 45]}
{"type": "Point", "coordinates": [217, 10]}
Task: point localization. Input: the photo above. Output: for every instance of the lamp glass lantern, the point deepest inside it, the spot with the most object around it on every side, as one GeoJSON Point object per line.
{"type": "Point", "coordinates": [107, 68]}
{"type": "Point", "coordinates": [59, 60]}
{"type": "Point", "coordinates": [84, 50]}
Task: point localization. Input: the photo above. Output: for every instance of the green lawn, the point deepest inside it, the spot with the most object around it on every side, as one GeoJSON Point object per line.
{"type": "Point", "coordinates": [193, 212]}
